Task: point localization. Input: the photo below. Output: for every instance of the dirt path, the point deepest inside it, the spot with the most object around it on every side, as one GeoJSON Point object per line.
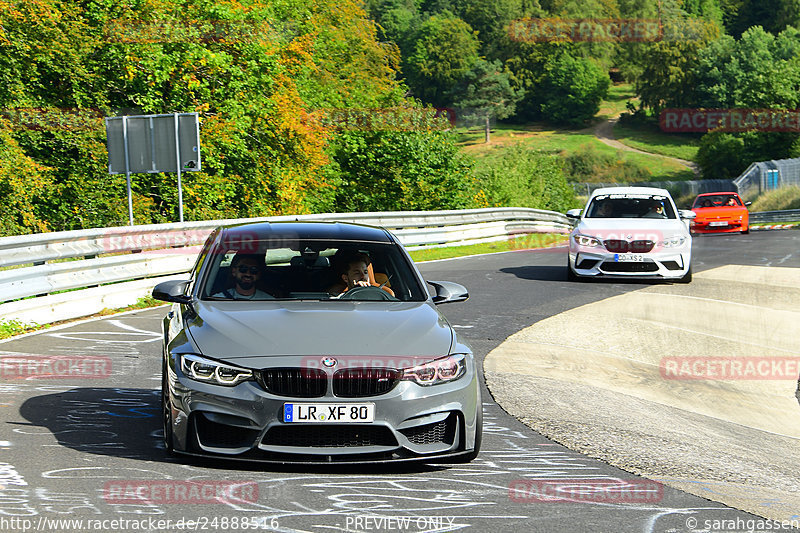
{"type": "Point", "coordinates": [605, 134]}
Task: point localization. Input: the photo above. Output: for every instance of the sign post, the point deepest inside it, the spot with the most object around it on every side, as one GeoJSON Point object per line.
{"type": "Point", "coordinates": [153, 143]}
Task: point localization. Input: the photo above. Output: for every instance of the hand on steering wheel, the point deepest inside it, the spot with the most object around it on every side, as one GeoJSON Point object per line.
{"type": "Point", "coordinates": [366, 292]}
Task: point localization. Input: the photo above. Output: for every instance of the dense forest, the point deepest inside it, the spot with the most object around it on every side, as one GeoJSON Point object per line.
{"type": "Point", "coordinates": [271, 82]}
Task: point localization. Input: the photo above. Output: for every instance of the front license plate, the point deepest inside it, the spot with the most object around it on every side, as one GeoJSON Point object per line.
{"type": "Point", "coordinates": [329, 413]}
{"type": "Point", "coordinates": [628, 258]}
{"type": "Point", "coordinates": [718, 224]}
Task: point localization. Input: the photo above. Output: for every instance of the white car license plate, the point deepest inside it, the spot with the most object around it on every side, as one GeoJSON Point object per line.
{"type": "Point", "coordinates": [629, 258]}
{"type": "Point", "coordinates": [718, 224]}
{"type": "Point", "coordinates": [329, 413]}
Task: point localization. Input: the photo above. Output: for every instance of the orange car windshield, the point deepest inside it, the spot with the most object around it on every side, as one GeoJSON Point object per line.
{"type": "Point", "coordinates": [717, 200]}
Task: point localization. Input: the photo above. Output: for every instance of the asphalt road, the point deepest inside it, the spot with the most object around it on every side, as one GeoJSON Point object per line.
{"type": "Point", "coordinates": [72, 449]}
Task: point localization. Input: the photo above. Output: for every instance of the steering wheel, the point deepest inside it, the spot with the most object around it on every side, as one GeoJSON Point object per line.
{"type": "Point", "coordinates": [367, 293]}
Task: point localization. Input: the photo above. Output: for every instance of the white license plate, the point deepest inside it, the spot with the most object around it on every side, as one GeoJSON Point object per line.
{"type": "Point", "coordinates": [329, 413]}
{"type": "Point", "coordinates": [629, 258]}
{"type": "Point", "coordinates": [718, 224]}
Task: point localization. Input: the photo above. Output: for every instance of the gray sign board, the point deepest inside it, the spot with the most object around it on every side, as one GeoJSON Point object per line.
{"type": "Point", "coordinates": [151, 143]}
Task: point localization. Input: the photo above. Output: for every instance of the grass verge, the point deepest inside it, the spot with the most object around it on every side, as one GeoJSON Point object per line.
{"type": "Point", "coordinates": [650, 139]}
{"type": "Point", "coordinates": [779, 199]}
{"type": "Point", "coordinates": [521, 242]}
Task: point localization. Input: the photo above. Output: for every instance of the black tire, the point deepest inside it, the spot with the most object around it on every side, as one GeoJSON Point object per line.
{"type": "Point", "coordinates": [571, 275]}
{"type": "Point", "coordinates": [166, 415]}
{"type": "Point", "coordinates": [471, 456]}
{"type": "Point", "coordinates": [687, 278]}
{"type": "Point", "coordinates": [746, 230]}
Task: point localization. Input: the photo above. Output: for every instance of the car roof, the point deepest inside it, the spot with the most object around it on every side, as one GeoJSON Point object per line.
{"type": "Point", "coordinates": [717, 193]}
{"type": "Point", "coordinates": [337, 231]}
{"type": "Point", "coordinates": [630, 190]}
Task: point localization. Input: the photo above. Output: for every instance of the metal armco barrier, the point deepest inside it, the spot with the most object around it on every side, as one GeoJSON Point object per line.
{"type": "Point", "coordinates": [789, 215]}
{"type": "Point", "coordinates": [113, 267]}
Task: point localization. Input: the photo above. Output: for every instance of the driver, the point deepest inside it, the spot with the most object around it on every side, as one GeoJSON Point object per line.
{"type": "Point", "coordinates": [353, 270]}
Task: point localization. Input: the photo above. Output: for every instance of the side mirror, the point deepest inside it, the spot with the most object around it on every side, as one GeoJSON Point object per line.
{"type": "Point", "coordinates": [448, 292]}
{"type": "Point", "coordinates": [574, 213]}
{"type": "Point", "coordinates": [686, 214]}
{"type": "Point", "coordinates": [172, 291]}
{"type": "Point", "coordinates": [747, 203]}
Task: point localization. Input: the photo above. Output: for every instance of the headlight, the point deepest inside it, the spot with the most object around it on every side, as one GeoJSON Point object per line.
{"type": "Point", "coordinates": [674, 242]}
{"type": "Point", "coordinates": [585, 240]}
{"type": "Point", "coordinates": [208, 371]}
{"type": "Point", "coordinates": [442, 370]}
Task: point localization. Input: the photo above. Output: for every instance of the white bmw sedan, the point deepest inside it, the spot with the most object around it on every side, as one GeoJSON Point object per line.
{"type": "Point", "coordinates": [630, 232]}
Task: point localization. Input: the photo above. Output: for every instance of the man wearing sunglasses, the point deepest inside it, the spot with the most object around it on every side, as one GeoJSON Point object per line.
{"type": "Point", "coordinates": [246, 270]}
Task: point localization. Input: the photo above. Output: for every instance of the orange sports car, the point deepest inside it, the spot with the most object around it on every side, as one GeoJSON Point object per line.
{"type": "Point", "coordinates": [720, 212]}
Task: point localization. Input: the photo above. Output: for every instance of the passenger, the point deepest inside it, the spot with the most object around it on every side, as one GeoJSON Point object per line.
{"type": "Point", "coordinates": [605, 210]}
{"type": "Point", "coordinates": [352, 269]}
{"type": "Point", "coordinates": [655, 211]}
{"type": "Point", "coordinates": [731, 201]}
{"type": "Point", "coordinates": [246, 271]}
{"type": "Point", "coordinates": [706, 203]}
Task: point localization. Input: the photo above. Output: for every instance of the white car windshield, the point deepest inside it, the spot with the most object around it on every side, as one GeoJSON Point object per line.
{"type": "Point", "coordinates": [630, 206]}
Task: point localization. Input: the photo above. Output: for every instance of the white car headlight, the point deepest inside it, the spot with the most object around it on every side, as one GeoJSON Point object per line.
{"type": "Point", "coordinates": [442, 370]}
{"type": "Point", "coordinates": [208, 371]}
{"type": "Point", "coordinates": [674, 242]}
{"type": "Point", "coordinates": [585, 240]}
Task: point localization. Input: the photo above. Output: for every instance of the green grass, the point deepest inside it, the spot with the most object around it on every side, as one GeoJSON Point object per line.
{"type": "Point", "coordinates": [783, 198]}
{"type": "Point", "coordinates": [650, 139]}
{"type": "Point", "coordinates": [12, 328]}
{"type": "Point", "coordinates": [566, 141]}
{"type": "Point", "coordinates": [616, 102]}
{"type": "Point", "coordinates": [521, 242]}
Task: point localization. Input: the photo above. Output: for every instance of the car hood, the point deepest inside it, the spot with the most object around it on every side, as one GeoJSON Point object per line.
{"type": "Point", "coordinates": [631, 228]}
{"type": "Point", "coordinates": [246, 332]}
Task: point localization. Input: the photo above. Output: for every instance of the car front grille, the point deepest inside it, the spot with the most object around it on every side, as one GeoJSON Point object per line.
{"type": "Point", "coordinates": [362, 382]}
{"type": "Point", "coordinates": [294, 382]}
{"type": "Point", "coordinates": [621, 246]}
{"type": "Point", "coordinates": [329, 436]}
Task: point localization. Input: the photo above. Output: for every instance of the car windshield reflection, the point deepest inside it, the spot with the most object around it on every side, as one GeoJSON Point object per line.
{"type": "Point", "coordinates": [310, 270]}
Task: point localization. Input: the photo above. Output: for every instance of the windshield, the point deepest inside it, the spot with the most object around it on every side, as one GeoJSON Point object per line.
{"type": "Point", "coordinates": [630, 206]}
{"type": "Point", "coordinates": [717, 200]}
{"type": "Point", "coordinates": [310, 270]}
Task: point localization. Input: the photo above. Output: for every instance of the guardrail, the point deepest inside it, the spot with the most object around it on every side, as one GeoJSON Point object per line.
{"type": "Point", "coordinates": [49, 277]}
{"type": "Point", "coordinates": [788, 215]}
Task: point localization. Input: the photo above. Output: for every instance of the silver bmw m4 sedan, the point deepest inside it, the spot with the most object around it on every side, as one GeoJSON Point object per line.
{"type": "Point", "coordinates": [296, 342]}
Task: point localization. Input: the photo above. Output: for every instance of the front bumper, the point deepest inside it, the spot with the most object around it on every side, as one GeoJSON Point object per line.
{"type": "Point", "coordinates": [244, 422]}
{"type": "Point", "coordinates": [733, 226]}
{"type": "Point", "coordinates": [592, 262]}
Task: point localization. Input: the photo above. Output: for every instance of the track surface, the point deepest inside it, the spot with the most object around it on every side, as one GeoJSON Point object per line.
{"type": "Point", "coordinates": [64, 441]}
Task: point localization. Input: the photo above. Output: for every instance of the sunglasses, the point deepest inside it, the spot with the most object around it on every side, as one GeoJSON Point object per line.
{"type": "Point", "coordinates": [247, 269]}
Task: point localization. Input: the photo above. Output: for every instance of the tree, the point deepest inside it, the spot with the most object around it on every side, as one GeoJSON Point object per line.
{"type": "Point", "coordinates": [571, 90]}
{"type": "Point", "coordinates": [446, 49]}
{"type": "Point", "coordinates": [772, 15]}
{"type": "Point", "coordinates": [485, 91]}
{"type": "Point", "coordinates": [387, 171]}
